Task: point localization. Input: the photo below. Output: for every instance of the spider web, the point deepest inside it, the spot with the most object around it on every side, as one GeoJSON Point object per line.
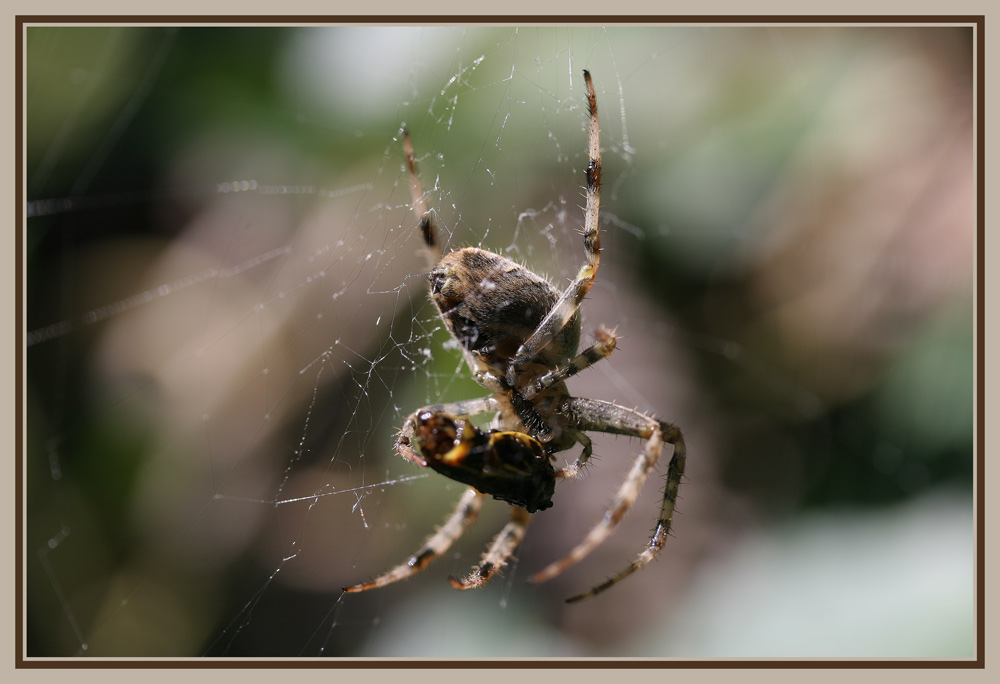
{"type": "Point", "coordinates": [227, 321]}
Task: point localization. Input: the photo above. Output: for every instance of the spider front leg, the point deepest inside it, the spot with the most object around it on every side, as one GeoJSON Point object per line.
{"type": "Point", "coordinates": [601, 416]}
{"type": "Point", "coordinates": [424, 216]}
{"type": "Point", "coordinates": [566, 307]}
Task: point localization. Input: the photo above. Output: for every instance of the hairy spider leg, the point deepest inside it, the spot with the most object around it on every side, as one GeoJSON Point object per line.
{"type": "Point", "coordinates": [574, 468]}
{"type": "Point", "coordinates": [498, 553]}
{"type": "Point", "coordinates": [568, 304]}
{"type": "Point", "coordinates": [601, 416]}
{"type": "Point", "coordinates": [437, 544]}
{"type": "Point", "coordinates": [659, 537]}
{"type": "Point", "coordinates": [420, 208]}
{"type": "Point", "coordinates": [601, 349]}
{"type": "Point", "coordinates": [464, 514]}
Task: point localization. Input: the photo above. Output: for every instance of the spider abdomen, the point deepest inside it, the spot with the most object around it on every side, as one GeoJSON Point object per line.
{"type": "Point", "coordinates": [492, 305]}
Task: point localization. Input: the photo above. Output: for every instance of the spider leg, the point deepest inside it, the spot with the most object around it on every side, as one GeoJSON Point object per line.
{"type": "Point", "coordinates": [573, 469]}
{"type": "Point", "coordinates": [420, 206]}
{"type": "Point", "coordinates": [469, 407]}
{"type": "Point", "coordinates": [567, 305]}
{"type": "Point", "coordinates": [498, 553]}
{"type": "Point", "coordinates": [437, 544]}
{"type": "Point", "coordinates": [601, 349]}
{"type": "Point", "coordinates": [662, 530]}
{"type": "Point", "coordinates": [601, 416]}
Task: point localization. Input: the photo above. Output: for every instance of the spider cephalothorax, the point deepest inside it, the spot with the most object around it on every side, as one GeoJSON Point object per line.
{"type": "Point", "coordinates": [520, 337]}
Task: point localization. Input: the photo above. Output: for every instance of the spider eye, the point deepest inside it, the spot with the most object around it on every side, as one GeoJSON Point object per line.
{"type": "Point", "coordinates": [437, 280]}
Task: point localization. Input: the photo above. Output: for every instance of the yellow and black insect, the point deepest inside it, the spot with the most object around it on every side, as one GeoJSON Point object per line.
{"type": "Point", "coordinates": [511, 466]}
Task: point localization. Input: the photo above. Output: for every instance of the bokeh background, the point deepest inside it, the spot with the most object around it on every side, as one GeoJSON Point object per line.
{"type": "Point", "coordinates": [227, 321]}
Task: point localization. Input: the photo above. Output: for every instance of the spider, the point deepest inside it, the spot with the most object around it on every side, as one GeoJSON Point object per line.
{"type": "Point", "coordinates": [519, 336]}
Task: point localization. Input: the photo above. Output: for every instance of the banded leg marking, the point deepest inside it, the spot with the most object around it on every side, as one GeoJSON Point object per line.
{"type": "Point", "coordinates": [600, 416]}
{"type": "Point", "coordinates": [498, 553]}
{"type": "Point", "coordinates": [567, 305]}
{"type": "Point", "coordinates": [436, 545]}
